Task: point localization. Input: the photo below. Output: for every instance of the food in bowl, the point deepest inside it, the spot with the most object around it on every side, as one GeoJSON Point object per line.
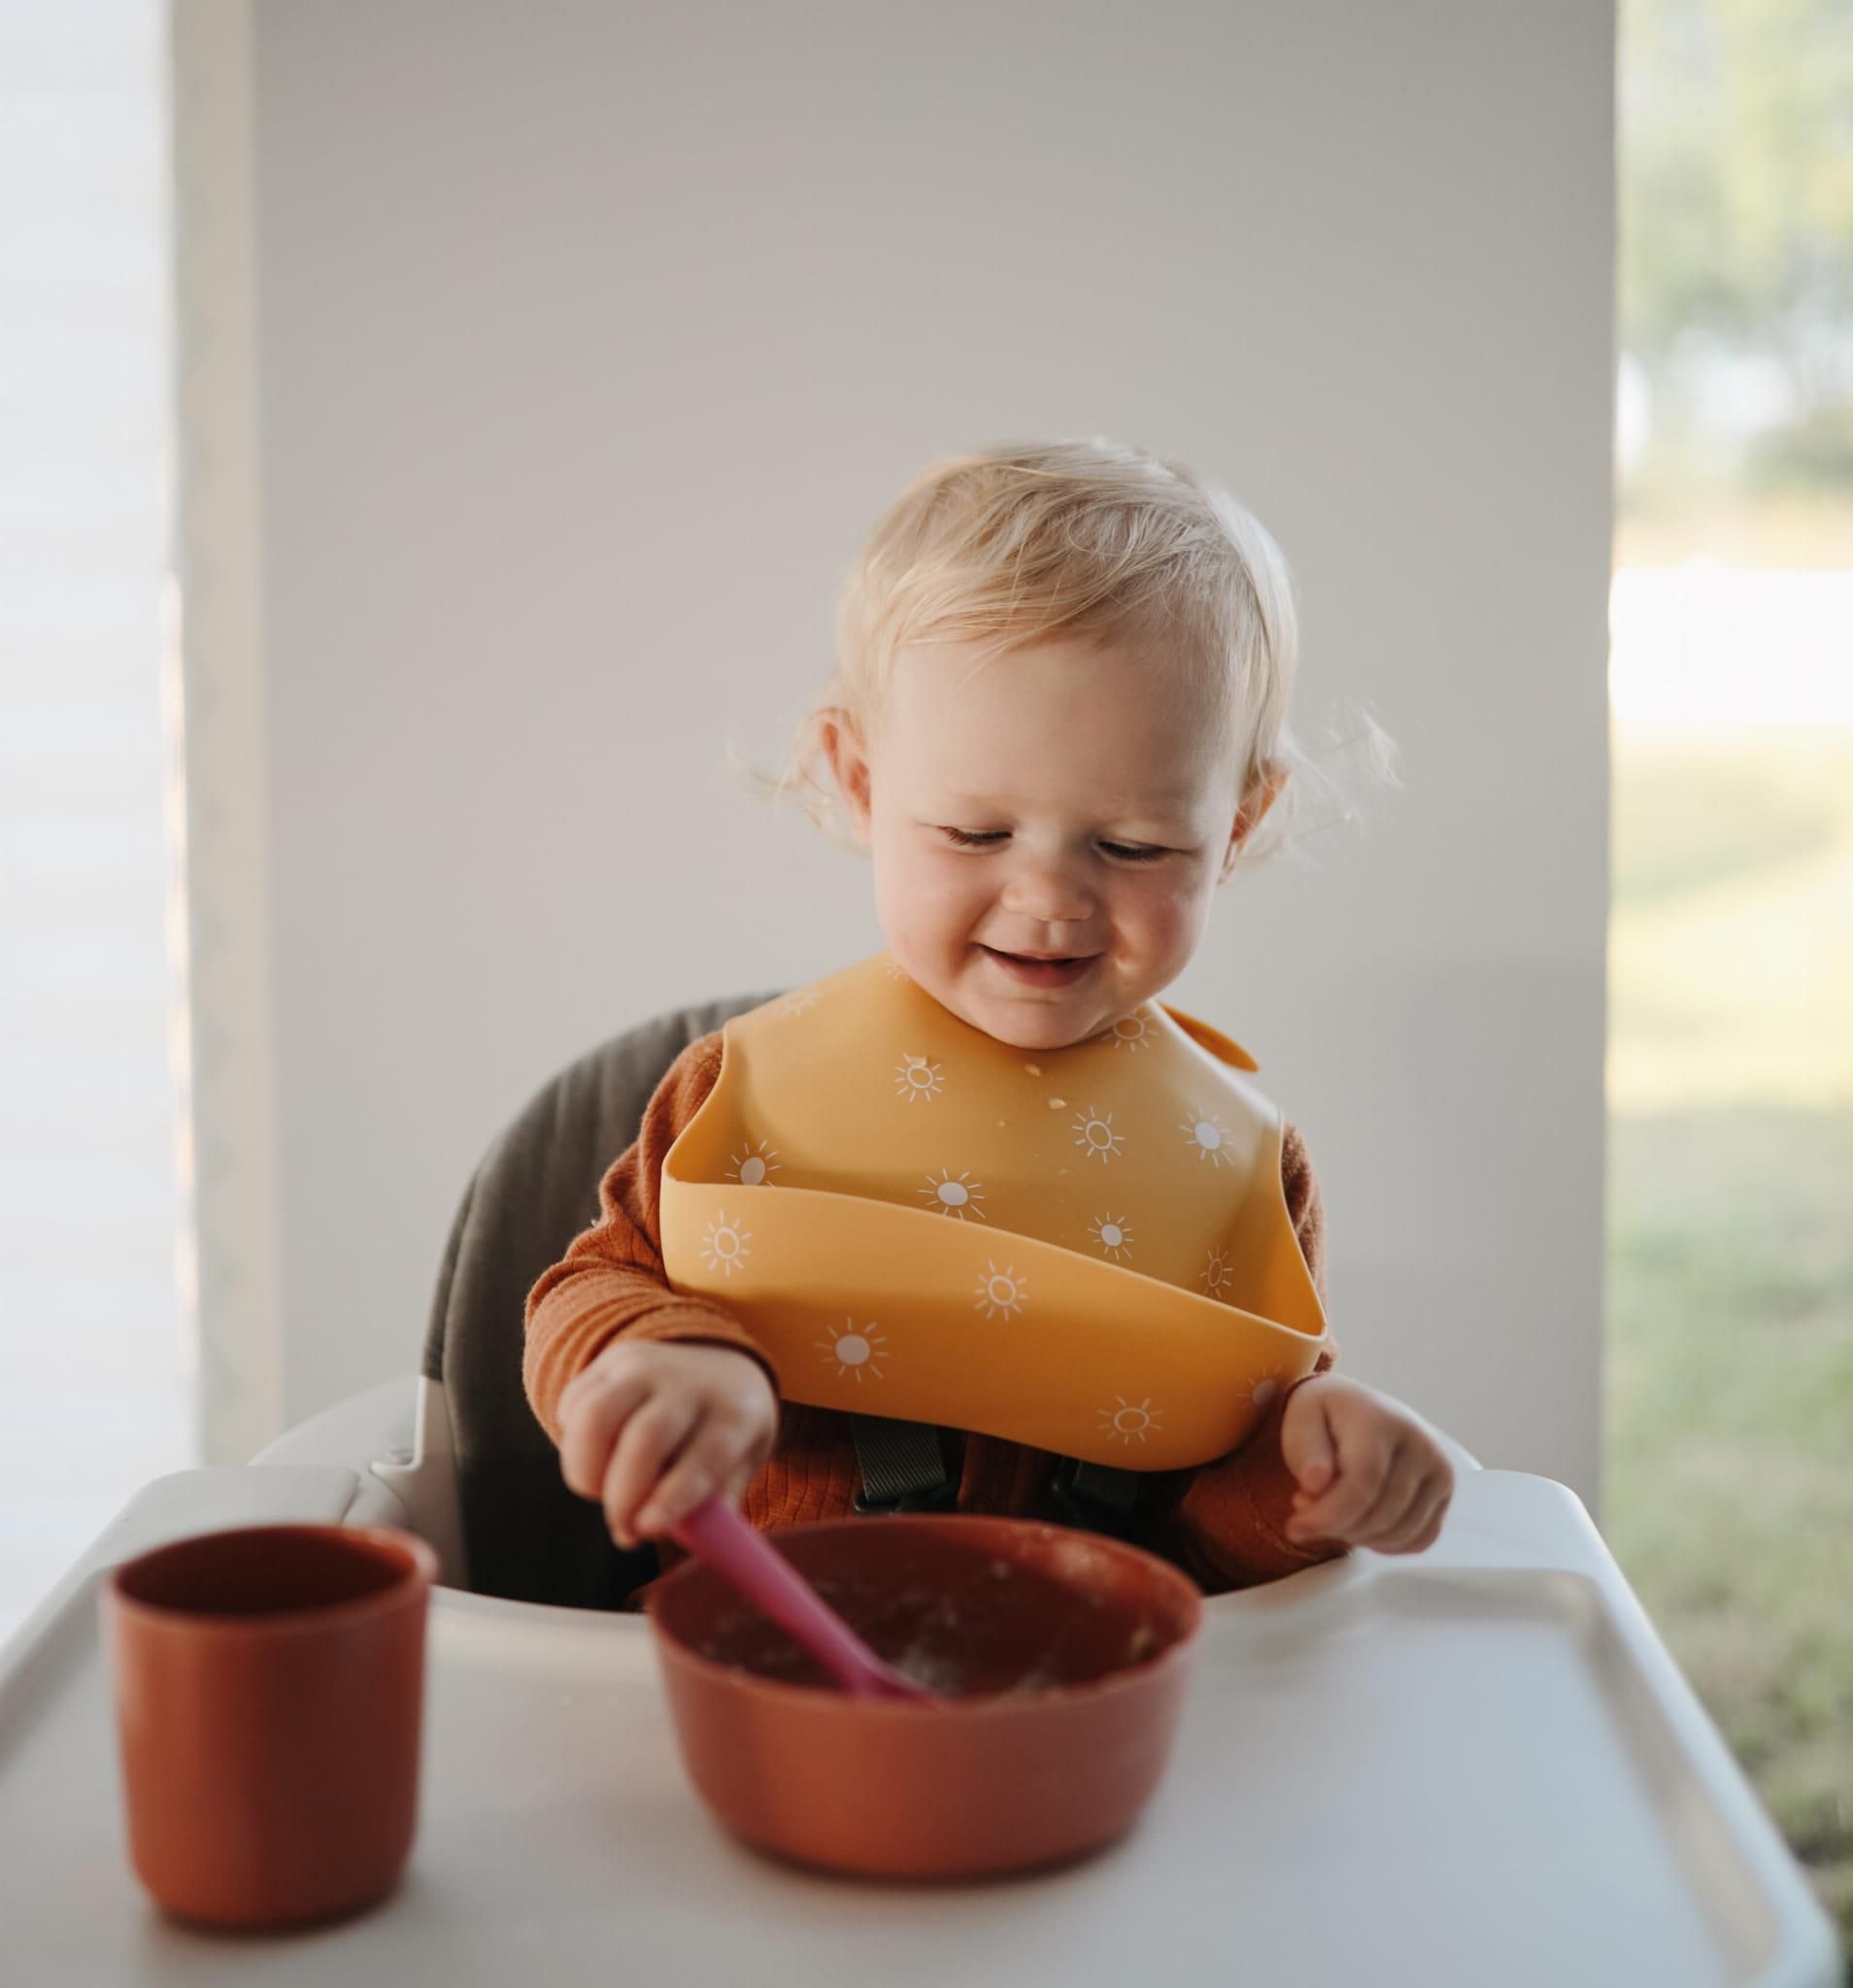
{"type": "Point", "coordinates": [1064, 1658]}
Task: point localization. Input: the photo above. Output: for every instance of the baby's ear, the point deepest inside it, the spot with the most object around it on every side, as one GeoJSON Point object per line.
{"type": "Point", "coordinates": [841, 738]}
{"type": "Point", "coordinates": [1263, 790]}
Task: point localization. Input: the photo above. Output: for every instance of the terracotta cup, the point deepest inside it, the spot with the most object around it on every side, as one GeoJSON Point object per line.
{"type": "Point", "coordinates": [1062, 1656]}
{"type": "Point", "coordinates": [269, 1689]}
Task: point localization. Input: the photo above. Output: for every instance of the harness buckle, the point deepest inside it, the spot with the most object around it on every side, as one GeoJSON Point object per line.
{"type": "Point", "coordinates": [1100, 1501]}
{"type": "Point", "coordinates": [938, 1498]}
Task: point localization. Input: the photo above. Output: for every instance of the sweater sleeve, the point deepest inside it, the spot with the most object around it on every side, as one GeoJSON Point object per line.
{"type": "Point", "coordinates": [1228, 1528]}
{"type": "Point", "coordinates": [611, 1280]}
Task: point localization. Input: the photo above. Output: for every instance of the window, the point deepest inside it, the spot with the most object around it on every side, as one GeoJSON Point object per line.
{"type": "Point", "coordinates": [94, 1389]}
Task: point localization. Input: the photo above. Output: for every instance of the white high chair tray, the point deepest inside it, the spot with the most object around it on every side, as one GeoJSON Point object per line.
{"type": "Point", "coordinates": [1477, 1766]}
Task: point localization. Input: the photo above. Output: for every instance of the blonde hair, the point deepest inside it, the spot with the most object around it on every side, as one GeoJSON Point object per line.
{"type": "Point", "coordinates": [1020, 543]}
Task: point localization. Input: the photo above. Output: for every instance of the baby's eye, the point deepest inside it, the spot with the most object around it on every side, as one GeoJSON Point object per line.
{"type": "Point", "coordinates": [1130, 852]}
{"type": "Point", "coordinates": [984, 838]}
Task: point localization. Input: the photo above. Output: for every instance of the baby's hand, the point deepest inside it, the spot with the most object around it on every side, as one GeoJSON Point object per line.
{"type": "Point", "coordinates": [1369, 1474]}
{"type": "Point", "coordinates": [652, 1427]}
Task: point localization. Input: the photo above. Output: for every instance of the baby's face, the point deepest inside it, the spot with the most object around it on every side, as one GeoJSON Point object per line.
{"type": "Point", "coordinates": [1046, 832]}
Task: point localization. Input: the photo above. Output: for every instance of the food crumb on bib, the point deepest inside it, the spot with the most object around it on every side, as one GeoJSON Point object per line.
{"type": "Point", "coordinates": [1058, 1104]}
{"type": "Point", "coordinates": [1034, 1070]}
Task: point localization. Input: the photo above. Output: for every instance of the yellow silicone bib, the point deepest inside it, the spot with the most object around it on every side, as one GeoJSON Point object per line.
{"type": "Point", "coordinates": [1084, 1249]}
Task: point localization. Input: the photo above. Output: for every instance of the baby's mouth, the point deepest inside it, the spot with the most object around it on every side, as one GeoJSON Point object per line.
{"type": "Point", "coordinates": [1028, 970]}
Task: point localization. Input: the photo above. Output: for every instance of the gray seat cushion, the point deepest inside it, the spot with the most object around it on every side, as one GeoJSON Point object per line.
{"type": "Point", "coordinates": [525, 1535]}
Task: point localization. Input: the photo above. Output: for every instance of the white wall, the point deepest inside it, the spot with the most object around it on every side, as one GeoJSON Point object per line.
{"type": "Point", "coordinates": [591, 339]}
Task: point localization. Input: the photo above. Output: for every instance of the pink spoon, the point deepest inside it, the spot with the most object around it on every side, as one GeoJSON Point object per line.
{"type": "Point", "coordinates": [715, 1533]}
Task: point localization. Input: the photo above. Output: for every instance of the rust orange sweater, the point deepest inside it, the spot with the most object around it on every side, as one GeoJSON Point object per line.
{"type": "Point", "coordinates": [1222, 1522]}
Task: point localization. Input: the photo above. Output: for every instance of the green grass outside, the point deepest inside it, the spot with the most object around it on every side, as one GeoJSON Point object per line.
{"type": "Point", "coordinates": [1728, 1441]}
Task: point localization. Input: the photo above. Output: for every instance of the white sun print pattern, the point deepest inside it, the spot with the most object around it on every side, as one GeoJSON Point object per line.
{"type": "Point", "coordinates": [915, 1077]}
{"type": "Point", "coordinates": [1217, 1275]}
{"type": "Point", "coordinates": [1001, 1294]}
{"type": "Point", "coordinates": [726, 1245]}
{"type": "Point", "coordinates": [1113, 1235]}
{"type": "Point", "coordinates": [799, 1003]}
{"type": "Point", "coordinates": [857, 1350]}
{"type": "Point", "coordinates": [1094, 1131]}
{"type": "Point", "coordinates": [955, 1193]}
{"type": "Point", "coordinates": [753, 1167]}
{"type": "Point", "coordinates": [1267, 1386]}
{"type": "Point", "coordinates": [1129, 1422]}
{"type": "Point", "coordinates": [1133, 1032]}
{"type": "Point", "coordinates": [1207, 1134]}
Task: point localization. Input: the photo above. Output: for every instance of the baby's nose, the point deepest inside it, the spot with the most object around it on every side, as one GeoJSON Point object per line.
{"type": "Point", "coordinates": [1048, 895]}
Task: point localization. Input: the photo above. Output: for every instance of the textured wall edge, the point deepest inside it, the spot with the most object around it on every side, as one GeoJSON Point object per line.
{"type": "Point", "coordinates": [218, 561]}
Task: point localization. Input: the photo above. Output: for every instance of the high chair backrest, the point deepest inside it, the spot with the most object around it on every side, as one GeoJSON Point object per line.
{"type": "Point", "coordinates": [525, 1533]}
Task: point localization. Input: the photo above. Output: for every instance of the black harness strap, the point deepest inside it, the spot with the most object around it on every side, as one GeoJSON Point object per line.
{"type": "Point", "coordinates": [904, 1470]}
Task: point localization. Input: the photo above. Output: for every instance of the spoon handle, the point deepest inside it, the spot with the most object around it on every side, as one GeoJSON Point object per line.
{"type": "Point", "coordinates": [717, 1534]}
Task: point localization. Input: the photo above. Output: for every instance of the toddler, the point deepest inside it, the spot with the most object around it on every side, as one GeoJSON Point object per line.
{"type": "Point", "coordinates": [980, 1224]}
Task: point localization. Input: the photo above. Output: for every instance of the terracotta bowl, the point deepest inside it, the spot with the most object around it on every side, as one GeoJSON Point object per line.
{"type": "Point", "coordinates": [1062, 1656]}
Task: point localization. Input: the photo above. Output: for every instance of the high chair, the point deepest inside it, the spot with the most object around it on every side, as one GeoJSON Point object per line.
{"type": "Point", "coordinates": [1503, 1698]}
{"type": "Point", "coordinates": [457, 1455]}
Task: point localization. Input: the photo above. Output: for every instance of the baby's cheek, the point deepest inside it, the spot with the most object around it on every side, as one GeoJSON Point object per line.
{"type": "Point", "coordinates": [925, 904]}
{"type": "Point", "coordinates": [1165, 919]}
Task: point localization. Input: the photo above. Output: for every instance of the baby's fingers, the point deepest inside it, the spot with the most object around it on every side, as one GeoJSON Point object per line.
{"type": "Point", "coordinates": [1421, 1527]}
{"type": "Point", "coordinates": [650, 1438]}
{"type": "Point", "coordinates": [1335, 1514]}
{"type": "Point", "coordinates": [1401, 1490]}
{"type": "Point", "coordinates": [713, 1460]}
{"type": "Point", "coordinates": [594, 1411]}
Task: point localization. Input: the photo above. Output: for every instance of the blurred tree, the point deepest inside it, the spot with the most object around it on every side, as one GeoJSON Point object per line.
{"type": "Point", "coordinates": [1738, 197]}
